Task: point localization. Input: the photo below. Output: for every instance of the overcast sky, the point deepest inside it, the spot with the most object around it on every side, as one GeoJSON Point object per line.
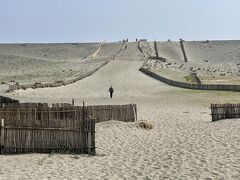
{"type": "Point", "coordinates": [113, 20]}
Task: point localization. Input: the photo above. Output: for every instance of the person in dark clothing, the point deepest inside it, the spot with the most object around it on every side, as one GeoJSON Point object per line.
{"type": "Point", "coordinates": [111, 90]}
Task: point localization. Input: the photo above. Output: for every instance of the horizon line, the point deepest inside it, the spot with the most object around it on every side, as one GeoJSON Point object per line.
{"type": "Point", "coordinates": [90, 42]}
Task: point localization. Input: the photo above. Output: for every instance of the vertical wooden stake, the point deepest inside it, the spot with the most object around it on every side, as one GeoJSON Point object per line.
{"type": "Point", "coordinates": [72, 102]}
{"type": "Point", "coordinates": [83, 110]}
{"type": "Point", "coordinates": [84, 126]}
{"type": "Point", "coordinates": [2, 137]}
{"type": "Point", "coordinates": [93, 137]}
{"type": "Point", "coordinates": [156, 50]}
{"type": "Point", "coordinates": [183, 50]}
{"type": "Point", "coordinates": [89, 138]}
{"type": "Point", "coordinates": [35, 114]}
{"type": "Point", "coordinates": [134, 112]}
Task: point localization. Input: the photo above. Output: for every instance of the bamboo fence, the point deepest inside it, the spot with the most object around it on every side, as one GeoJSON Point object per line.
{"type": "Point", "coordinates": [225, 111]}
{"type": "Point", "coordinates": [37, 127]}
{"type": "Point", "coordinates": [18, 86]}
{"type": "Point", "coordinates": [45, 129]}
{"type": "Point", "coordinates": [220, 87]}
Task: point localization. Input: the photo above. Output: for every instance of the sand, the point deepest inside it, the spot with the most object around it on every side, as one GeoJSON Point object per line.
{"type": "Point", "coordinates": [109, 50]}
{"type": "Point", "coordinates": [215, 62]}
{"type": "Point", "coordinates": [35, 63]}
{"type": "Point", "coordinates": [3, 88]}
{"type": "Point", "coordinates": [51, 52]}
{"type": "Point", "coordinates": [184, 143]}
{"type": "Point", "coordinates": [130, 53]}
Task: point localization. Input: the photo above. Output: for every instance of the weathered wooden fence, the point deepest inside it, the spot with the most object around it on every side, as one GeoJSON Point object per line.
{"type": "Point", "coordinates": [45, 129]}
{"type": "Point", "coordinates": [126, 113]}
{"type": "Point", "coordinates": [35, 105]}
{"type": "Point", "coordinates": [225, 111]}
{"type": "Point", "coordinates": [65, 82]}
{"type": "Point", "coordinates": [36, 127]}
{"type": "Point", "coordinates": [221, 87]}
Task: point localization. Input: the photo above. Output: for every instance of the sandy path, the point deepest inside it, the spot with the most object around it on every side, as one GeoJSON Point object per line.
{"type": "Point", "coordinates": [184, 144]}
{"type": "Point", "coordinates": [132, 53]}
{"type": "Point", "coordinates": [122, 75]}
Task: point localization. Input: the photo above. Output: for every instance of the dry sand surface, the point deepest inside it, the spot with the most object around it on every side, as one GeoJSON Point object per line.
{"type": "Point", "coordinates": [51, 52]}
{"type": "Point", "coordinates": [3, 88]}
{"type": "Point", "coordinates": [131, 52]}
{"type": "Point", "coordinates": [184, 143]}
{"type": "Point", "coordinates": [109, 50]}
{"type": "Point", "coordinates": [215, 62]}
{"type": "Point", "coordinates": [31, 63]}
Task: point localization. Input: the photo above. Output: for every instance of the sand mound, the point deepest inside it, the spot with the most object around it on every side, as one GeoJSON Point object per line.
{"type": "Point", "coordinates": [145, 125]}
{"type": "Point", "coordinates": [53, 52]}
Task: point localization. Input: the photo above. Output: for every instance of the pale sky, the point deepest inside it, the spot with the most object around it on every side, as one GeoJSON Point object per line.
{"type": "Point", "coordinates": [113, 20]}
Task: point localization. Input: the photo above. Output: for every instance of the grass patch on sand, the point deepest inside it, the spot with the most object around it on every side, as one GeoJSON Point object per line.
{"type": "Point", "coordinates": [145, 125]}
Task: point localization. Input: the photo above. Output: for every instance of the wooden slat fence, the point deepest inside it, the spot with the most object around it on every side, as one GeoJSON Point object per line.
{"type": "Point", "coordinates": [33, 105]}
{"type": "Point", "coordinates": [36, 127]}
{"type": "Point", "coordinates": [125, 113]}
{"type": "Point", "coordinates": [55, 84]}
{"type": "Point", "coordinates": [225, 111]}
{"type": "Point", "coordinates": [45, 129]}
{"type": "Point", "coordinates": [220, 87]}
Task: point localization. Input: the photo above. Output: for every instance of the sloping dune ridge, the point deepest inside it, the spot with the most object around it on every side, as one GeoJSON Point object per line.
{"type": "Point", "coordinates": [54, 52]}
{"type": "Point", "coordinates": [214, 62]}
{"type": "Point", "coordinates": [184, 143]}
{"type": "Point", "coordinates": [34, 63]}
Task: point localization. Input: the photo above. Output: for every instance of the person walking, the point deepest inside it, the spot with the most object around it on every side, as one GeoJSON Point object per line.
{"type": "Point", "coordinates": [111, 90]}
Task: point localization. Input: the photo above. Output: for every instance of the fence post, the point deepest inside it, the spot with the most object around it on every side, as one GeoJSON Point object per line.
{"type": "Point", "coordinates": [134, 112]}
{"type": "Point", "coordinates": [89, 143]}
{"type": "Point", "coordinates": [93, 151]}
{"type": "Point", "coordinates": [90, 135]}
{"type": "Point", "coordinates": [183, 50]}
{"type": "Point", "coordinates": [72, 102]}
{"type": "Point", "coordinates": [156, 49]}
{"type": "Point", "coordinates": [35, 114]}
{"type": "Point", "coordinates": [2, 137]}
{"type": "Point", "coordinates": [83, 114]}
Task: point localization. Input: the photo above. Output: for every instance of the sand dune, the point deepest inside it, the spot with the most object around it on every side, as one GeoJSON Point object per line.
{"type": "Point", "coordinates": [53, 52]}
{"type": "Point", "coordinates": [213, 52]}
{"type": "Point", "coordinates": [31, 63]}
{"type": "Point", "coordinates": [215, 62]}
{"type": "Point", "coordinates": [184, 143]}
{"type": "Point", "coordinates": [29, 70]}
{"type": "Point", "coordinates": [170, 50]}
{"type": "Point", "coordinates": [130, 53]}
{"type": "Point", "coordinates": [109, 50]}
